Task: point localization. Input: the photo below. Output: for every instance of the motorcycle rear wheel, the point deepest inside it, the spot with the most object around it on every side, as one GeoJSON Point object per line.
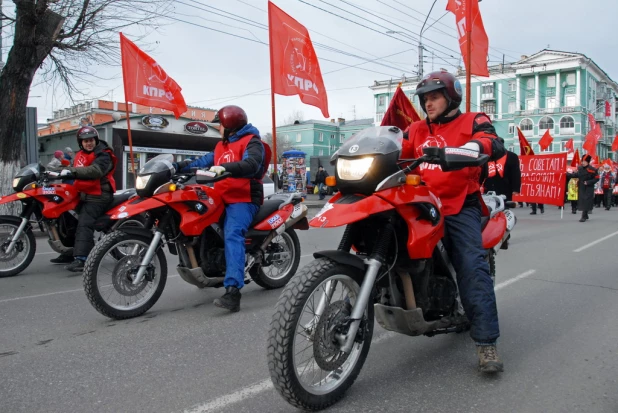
{"type": "Point", "coordinates": [152, 284]}
{"type": "Point", "coordinates": [295, 326]}
{"type": "Point", "coordinates": [278, 273]}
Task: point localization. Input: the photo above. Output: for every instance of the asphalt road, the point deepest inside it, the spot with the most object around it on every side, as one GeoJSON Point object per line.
{"type": "Point", "coordinates": [557, 315]}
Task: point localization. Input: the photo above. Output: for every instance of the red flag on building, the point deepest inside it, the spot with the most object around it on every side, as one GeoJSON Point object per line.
{"type": "Point", "coordinates": [524, 146]}
{"type": "Point", "coordinates": [146, 83]}
{"type": "Point", "coordinates": [575, 160]}
{"type": "Point", "coordinates": [480, 42]}
{"type": "Point", "coordinates": [295, 69]}
{"type": "Point", "coordinates": [615, 144]}
{"type": "Point", "coordinates": [593, 136]}
{"type": "Point", "coordinates": [608, 109]}
{"type": "Point", "coordinates": [546, 140]}
{"type": "Point", "coordinates": [400, 112]}
{"type": "Point", "coordinates": [569, 146]}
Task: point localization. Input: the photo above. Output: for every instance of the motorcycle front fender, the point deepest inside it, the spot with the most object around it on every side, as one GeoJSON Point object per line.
{"type": "Point", "coordinates": [134, 206]}
{"type": "Point", "coordinates": [349, 210]}
{"type": "Point", "coordinates": [342, 257]}
{"type": "Point", "coordinates": [17, 196]}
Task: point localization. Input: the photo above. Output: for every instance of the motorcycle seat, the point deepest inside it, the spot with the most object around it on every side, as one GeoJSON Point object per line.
{"type": "Point", "coordinates": [120, 197]}
{"type": "Point", "coordinates": [268, 207]}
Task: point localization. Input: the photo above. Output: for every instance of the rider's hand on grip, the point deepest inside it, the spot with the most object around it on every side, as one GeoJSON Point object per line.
{"type": "Point", "coordinates": [217, 169]}
{"type": "Point", "coordinates": [65, 173]}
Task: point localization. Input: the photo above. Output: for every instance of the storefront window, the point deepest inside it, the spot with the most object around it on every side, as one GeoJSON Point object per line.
{"type": "Point", "coordinates": [129, 168]}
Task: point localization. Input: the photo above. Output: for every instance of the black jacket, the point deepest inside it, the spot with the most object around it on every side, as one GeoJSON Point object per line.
{"type": "Point", "coordinates": [320, 177]}
{"type": "Point", "coordinates": [588, 176]}
{"type": "Point", "coordinates": [510, 182]}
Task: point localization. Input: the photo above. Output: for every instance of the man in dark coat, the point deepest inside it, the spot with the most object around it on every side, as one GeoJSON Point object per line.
{"type": "Point", "coordinates": [503, 175]}
{"type": "Point", "coordinates": [587, 176]}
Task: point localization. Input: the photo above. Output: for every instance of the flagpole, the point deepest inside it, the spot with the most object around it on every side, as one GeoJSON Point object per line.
{"type": "Point", "coordinates": [272, 102]}
{"type": "Point", "coordinates": [469, 52]}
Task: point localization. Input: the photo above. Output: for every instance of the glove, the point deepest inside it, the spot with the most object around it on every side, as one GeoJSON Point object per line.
{"type": "Point", "coordinates": [217, 169]}
{"type": "Point", "coordinates": [472, 146]}
{"type": "Point", "coordinates": [53, 174]}
{"type": "Point", "coordinates": [65, 173]}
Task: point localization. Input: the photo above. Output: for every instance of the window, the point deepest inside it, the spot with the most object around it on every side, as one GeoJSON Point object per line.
{"type": "Point", "coordinates": [488, 107]}
{"type": "Point", "coordinates": [286, 138]}
{"type": "Point", "coordinates": [332, 136]}
{"type": "Point", "coordinates": [570, 100]}
{"type": "Point", "coordinates": [550, 103]}
{"type": "Point", "coordinates": [381, 100]}
{"type": "Point", "coordinates": [511, 129]}
{"type": "Point", "coordinates": [321, 137]}
{"type": "Point", "coordinates": [567, 122]}
{"type": "Point", "coordinates": [299, 137]}
{"type": "Point", "coordinates": [550, 148]}
{"type": "Point", "coordinates": [546, 123]}
{"type": "Point", "coordinates": [511, 149]}
{"type": "Point", "coordinates": [530, 83]}
{"type": "Point", "coordinates": [379, 117]}
{"type": "Point", "coordinates": [321, 152]}
{"type": "Point", "coordinates": [341, 138]}
{"type": "Point", "coordinates": [512, 86]}
{"type": "Point", "coordinates": [512, 107]}
{"type": "Point", "coordinates": [526, 125]}
{"type": "Point", "coordinates": [488, 89]}
{"type": "Point", "coordinates": [530, 104]}
{"type": "Point", "coordinates": [570, 79]}
{"type": "Point", "coordinates": [563, 145]}
{"type": "Point", "coordinates": [551, 81]}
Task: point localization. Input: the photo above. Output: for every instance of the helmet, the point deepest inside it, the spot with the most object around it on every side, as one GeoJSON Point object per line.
{"type": "Point", "coordinates": [443, 80]}
{"type": "Point", "coordinates": [87, 132]}
{"type": "Point", "coordinates": [231, 117]}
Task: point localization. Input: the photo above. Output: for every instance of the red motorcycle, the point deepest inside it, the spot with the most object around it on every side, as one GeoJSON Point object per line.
{"type": "Point", "coordinates": [53, 206]}
{"type": "Point", "coordinates": [188, 218]}
{"type": "Point", "coordinates": [391, 264]}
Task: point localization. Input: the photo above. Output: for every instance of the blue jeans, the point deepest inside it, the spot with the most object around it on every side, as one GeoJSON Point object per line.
{"type": "Point", "coordinates": [320, 189]}
{"type": "Point", "coordinates": [238, 217]}
{"type": "Point", "coordinates": [465, 247]}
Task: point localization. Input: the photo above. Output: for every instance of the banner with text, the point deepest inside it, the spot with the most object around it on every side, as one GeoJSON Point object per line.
{"type": "Point", "coordinates": [543, 179]}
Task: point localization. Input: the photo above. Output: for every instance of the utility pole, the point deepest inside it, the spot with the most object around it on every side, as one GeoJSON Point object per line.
{"type": "Point", "coordinates": [420, 43]}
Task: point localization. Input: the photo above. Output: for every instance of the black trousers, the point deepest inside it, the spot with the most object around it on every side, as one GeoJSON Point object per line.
{"type": "Point", "coordinates": [88, 212]}
{"type": "Point", "coordinates": [541, 207]}
{"type": "Point", "coordinates": [607, 198]}
{"type": "Point", "coordinates": [574, 206]}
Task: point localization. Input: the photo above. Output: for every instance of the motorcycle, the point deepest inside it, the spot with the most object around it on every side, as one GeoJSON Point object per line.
{"type": "Point", "coordinates": [53, 206]}
{"type": "Point", "coordinates": [398, 272]}
{"type": "Point", "coordinates": [188, 218]}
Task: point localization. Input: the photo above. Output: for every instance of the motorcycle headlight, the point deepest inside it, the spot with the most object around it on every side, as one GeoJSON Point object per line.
{"type": "Point", "coordinates": [16, 183]}
{"type": "Point", "coordinates": [353, 169]}
{"type": "Point", "coordinates": [142, 181]}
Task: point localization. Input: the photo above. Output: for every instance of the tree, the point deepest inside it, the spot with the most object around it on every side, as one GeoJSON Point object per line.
{"type": "Point", "coordinates": [64, 39]}
{"type": "Point", "coordinates": [297, 115]}
{"type": "Point", "coordinates": [282, 144]}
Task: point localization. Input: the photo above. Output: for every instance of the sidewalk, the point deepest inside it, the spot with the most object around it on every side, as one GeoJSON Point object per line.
{"type": "Point", "coordinates": [313, 202]}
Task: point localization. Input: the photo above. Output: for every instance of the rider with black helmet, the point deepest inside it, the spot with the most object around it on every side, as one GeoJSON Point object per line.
{"type": "Point", "coordinates": [440, 95]}
{"type": "Point", "coordinates": [242, 154]}
{"type": "Point", "coordinates": [93, 170]}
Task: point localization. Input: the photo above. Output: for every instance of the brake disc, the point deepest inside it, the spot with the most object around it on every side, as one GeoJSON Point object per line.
{"type": "Point", "coordinates": [125, 271]}
{"type": "Point", "coordinates": [326, 349]}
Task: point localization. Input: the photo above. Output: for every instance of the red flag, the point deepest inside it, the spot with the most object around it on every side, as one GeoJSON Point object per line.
{"type": "Point", "coordinates": [400, 112]}
{"type": "Point", "coordinates": [615, 144]}
{"type": "Point", "coordinates": [575, 161]}
{"type": "Point", "coordinates": [595, 160]}
{"type": "Point", "coordinates": [294, 66]}
{"type": "Point", "coordinates": [569, 146]}
{"type": "Point", "coordinates": [146, 83]}
{"type": "Point", "coordinates": [593, 136]}
{"type": "Point", "coordinates": [546, 140]}
{"type": "Point", "coordinates": [524, 146]}
{"type": "Point", "coordinates": [608, 109]}
{"type": "Point", "coordinates": [480, 42]}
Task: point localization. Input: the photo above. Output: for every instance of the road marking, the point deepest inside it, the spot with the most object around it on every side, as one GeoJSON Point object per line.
{"type": "Point", "coordinates": [6, 300]}
{"type": "Point", "coordinates": [264, 385]}
{"type": "Point", "coordinates": [592, 244]}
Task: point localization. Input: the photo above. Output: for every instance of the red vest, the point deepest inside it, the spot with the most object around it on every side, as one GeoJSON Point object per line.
{"type": "Point", "coordinates": [93, 186]}
{"type": "Point", "coordinates": [451, 187]}
{"type": "Point", "coordinates": [233, 190]}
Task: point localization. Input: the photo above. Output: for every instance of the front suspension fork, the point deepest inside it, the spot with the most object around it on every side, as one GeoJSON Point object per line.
{"type": "Point", "coordinates": [24, 221]}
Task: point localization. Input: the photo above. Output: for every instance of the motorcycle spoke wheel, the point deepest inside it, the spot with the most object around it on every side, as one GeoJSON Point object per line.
{"type": "Point", "coordinates": [12, 263]}
{"type": "Point", "coordinates": [280, 262]}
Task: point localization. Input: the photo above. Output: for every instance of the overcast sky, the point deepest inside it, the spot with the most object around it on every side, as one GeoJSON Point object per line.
{"type": "Point", "coordinates": [215, 69]}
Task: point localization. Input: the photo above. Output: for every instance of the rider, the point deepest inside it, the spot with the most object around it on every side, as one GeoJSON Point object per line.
{"type": "Point", "coordinates": [440, 95]}
{"type": "Point", "coordinates": [240, 153]}
{"type": "Point", "coordinates": [93, 171]}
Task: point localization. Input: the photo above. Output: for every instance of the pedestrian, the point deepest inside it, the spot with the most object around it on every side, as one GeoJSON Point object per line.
{"type": "Point", "coordinates": [572, 194]}
{"type": "Point", "coordinates": [503, 175]}
{"type": "Point", "coordinates": [541, 208]}
{"type": "Point", "coordinates": [320, 181]}
{"type": "Point", "coordinates": [68, 154]}
{"type": "Point", "coordinates": [608, 180]}
{"type": "Point", "coordinates": [56, 162]}
{"type": "Point", "coordinates": [587, 176]}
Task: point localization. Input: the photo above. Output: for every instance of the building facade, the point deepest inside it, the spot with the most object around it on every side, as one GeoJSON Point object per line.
{"type": "Point", "coordinates": [550, 90]}
{"type": "Point", "coordinates": [320, 138]}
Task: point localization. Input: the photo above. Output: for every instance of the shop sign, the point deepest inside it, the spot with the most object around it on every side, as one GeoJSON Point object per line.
{"type": "Point", "coordinates": [155, 122]}
{"type": "Point", "coordinates": [197, 128]}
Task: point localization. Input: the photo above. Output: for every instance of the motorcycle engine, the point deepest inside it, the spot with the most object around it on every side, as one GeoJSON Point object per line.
{"type": "Point", "coordinates": [212, 254]}
{"type": "Point", "coordinates": [442, 297]}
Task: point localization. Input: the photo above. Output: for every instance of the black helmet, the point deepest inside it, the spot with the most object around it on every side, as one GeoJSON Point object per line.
{"type": "Point", "coordinates": [87, 132]}
{"type": "Point", "coordinates": [443, 80]}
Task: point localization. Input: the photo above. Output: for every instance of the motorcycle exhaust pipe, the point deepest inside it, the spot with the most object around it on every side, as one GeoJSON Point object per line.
{"type": "Point", "coordinates": [408, 289]}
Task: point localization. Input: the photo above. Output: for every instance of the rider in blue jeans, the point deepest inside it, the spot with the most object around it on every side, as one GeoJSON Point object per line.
{"type": "Point", "coordinates": [240, 153]}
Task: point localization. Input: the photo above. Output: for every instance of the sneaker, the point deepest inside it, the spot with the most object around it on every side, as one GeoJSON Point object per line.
{"type": "Point", "coordinates": [230, 300]}
{"type": "Point", "coordinates": [488, 359]}
{"type": "Point", "coordinates": [76, 266]}
{"type": "Point", "coordinates": [62, 259]}
{"type": "Point", "coordinates": [533, 213]}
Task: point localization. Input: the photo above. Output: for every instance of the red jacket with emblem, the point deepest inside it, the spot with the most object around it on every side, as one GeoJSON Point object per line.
{"type": "Point", "coordinates": [455, 187]}
{"type": "Point", "coordinates": [94, 171]}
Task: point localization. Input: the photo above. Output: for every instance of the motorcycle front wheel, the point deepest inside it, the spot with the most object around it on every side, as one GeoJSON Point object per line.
{"type": "Point", "coordinates": [306, 364]}
{"type": "Point", "coordinates": [108, 280]}
{"type": "Point", "coordinates": [22, 254]}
